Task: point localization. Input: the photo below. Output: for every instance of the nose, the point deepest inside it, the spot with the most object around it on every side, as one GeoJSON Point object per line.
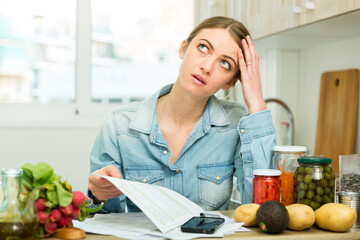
{"type": "Point", "coordinates": [207, 66]}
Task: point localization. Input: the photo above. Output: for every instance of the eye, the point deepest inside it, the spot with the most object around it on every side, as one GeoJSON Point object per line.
{"type": "Point", "coordinates": [203, 48]}
{"type": "Point", "coordinates": [225, 64]}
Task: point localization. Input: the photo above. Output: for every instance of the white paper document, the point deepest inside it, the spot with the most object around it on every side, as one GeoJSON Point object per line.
{"type": "Point", "coordinates": [138, 226]}
{"type": "Point", "coordinates": [166, 208]}
{"type": "Point", "coordinates": [163, 209]}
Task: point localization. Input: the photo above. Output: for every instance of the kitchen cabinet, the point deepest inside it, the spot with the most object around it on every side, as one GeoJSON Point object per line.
{"type": "Point", "coordinates": [356, 4]}
{"type": "Point", "coordinates": [323, 9]}
{"type": "Point", "coordinates": [209, 8]}
{"type": "Point", "coordinates": [295, 60]}
{"type": "Point", "coordinates": [264, 18]}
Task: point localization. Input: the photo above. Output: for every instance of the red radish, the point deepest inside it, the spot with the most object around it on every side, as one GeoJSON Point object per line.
{"type": "Point", "coordinates": [78, 198]}
{"type": "Point", "coordinates": [69, 222]}
{"type": "Point", "coordinates": [50, 227]}
{"type": "Point", "coordinates": [63, 221]}
{"type": "Point", "coordinates": [66, 210]}
{"type": "Point", "coordinates": [40, 204]}
{"type": "Point", "coordinates": [55, 215]}
{"type": "Point", "coordinates": [42, 217]}
{"type": "Point", "coordinates": [76, 212]}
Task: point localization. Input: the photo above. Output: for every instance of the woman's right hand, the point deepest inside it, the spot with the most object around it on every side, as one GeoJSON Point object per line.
{"type": "Point", "coordinates": [101, 188]}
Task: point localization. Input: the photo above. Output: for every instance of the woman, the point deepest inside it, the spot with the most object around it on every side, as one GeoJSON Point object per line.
{"type": "Point", "coordinates": [183, 137]}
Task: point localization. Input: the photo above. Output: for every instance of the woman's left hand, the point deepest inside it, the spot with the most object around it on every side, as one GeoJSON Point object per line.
{"type": "Point", "coordinates": [250, 77]}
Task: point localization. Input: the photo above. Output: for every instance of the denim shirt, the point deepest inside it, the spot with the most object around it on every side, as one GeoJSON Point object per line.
{"type": "Point", "coordinates": [225, 142]}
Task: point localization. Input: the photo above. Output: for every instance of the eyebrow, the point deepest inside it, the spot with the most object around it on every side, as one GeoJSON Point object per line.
{"type": "Point", "coordinates": [212, 48]}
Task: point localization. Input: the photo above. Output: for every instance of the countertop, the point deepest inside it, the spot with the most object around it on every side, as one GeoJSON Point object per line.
{"type": "Point", "coordinates": [256, 233]}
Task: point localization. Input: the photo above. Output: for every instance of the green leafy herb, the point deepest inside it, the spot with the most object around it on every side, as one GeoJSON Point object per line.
{"type": "Point", "coordinates": [65, 196]}
{"type": "Point", "coordinates": [46, 184]}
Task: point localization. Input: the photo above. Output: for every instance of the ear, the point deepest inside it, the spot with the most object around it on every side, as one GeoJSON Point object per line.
{"type": "Point", "coordinates": [182, 49]}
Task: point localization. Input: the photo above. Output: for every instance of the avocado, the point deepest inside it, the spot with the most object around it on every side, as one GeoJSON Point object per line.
{"type": "Point", "coordinates": [272, 217]}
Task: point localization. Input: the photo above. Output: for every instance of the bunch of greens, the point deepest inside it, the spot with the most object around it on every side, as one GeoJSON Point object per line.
{"type": "Point", "coordinates": [41, 180]}
{"type": "Point", "coordinates": [55, 202]}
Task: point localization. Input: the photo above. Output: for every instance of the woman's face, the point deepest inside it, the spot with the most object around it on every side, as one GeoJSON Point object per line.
{"type": "Point", "coordinates": [209, 62]}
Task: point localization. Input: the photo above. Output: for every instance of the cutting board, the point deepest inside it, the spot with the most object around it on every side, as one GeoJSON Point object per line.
{"type": "Point", "coordinates": [337, 115]}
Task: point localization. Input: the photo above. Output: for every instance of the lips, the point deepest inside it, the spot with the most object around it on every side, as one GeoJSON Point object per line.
{"type": "Point", "coordinates": [199, 78]}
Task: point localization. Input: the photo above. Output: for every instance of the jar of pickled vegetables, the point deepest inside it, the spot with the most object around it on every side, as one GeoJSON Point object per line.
{"type": "Point", "coordinates": [285, 159]}
{"type": "Point", "coordinates": [314, 181]}
{"type": "Point", "coordinates": [266, 185]}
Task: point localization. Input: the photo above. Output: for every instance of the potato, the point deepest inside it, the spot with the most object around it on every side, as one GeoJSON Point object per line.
{"type": "Point", "coordinates": [247, 213]}
{"type": "Point", "coordinates": [335, 217]}
{"type": "Point", "coordinates": [300, 216]}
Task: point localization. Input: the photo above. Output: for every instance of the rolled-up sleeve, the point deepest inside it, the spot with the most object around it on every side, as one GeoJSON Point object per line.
{"type": "Point", "coordinates": [257, 138]}
{"type": "Point", "coordinates": [105, 152]}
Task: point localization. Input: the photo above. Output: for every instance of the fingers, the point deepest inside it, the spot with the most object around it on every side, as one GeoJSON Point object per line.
{"type": "Point", "coordinates": [242, 65]}
{"type": "Point", "coordinates": [101, 188]}
{"type": "Point", "coordinates": [247, 54]}
{"type": "Point", "coordinates": [104, 194]}
{"type": "Point", "coordinates": [111, 171]}
{"type": "Point", "coordinates": [254, 56]}
{"type": "Point", "coordinates": [251, 57]}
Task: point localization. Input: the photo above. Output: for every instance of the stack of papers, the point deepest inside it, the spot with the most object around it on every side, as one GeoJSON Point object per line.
{"type": "Point", "coordinates": [163, 209]}
{"type": "Point", "coordinates": [139, 226]}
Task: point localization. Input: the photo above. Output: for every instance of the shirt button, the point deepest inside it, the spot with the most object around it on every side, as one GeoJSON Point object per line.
{"type": "Point", "coordinates": [242, 130]}
{"type": "Point", "coordinates": [144, 180]}
{"type": "Point", "coordinates": [152, 135]}
{"type": "Point", "coordinates": [217, 178]}
{"type": "Point", "coordinates": [177, 171]}
{"type": "Point", "coordinates": [164, 152]}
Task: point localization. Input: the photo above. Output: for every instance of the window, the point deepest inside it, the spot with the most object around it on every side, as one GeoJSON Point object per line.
{"type": "Point", "coordinates": [62, 62]}
{"type": "Point", "coordinates": [135, 46]}
{"type": "Point", "coordinates": [37, 51]}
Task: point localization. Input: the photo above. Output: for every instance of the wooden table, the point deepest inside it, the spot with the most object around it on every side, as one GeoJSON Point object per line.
{"type": "Point", "coordinates": [313, 233]}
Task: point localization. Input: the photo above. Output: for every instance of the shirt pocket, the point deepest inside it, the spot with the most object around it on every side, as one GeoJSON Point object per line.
{"type": "Point", "coordinates": [146, 174]}
{"type": "Point", "coordinates": [215, 184]}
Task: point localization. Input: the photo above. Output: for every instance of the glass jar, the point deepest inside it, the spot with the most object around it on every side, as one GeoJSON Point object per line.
{"type": "Point", "coordinates": [314, 181]}
{"type": "Point", "coordinates": [349, 173]}
{"type": "Point", "coordinates": [284, 156]}
{"type": "Point", "coordinates": [17, 219]}
{"type": "Point", "coordinates": [1, 193]}
{"type": "Point", "coordinates": [266, 185]}
{"type": "Point", "coordinates": [285, 159]}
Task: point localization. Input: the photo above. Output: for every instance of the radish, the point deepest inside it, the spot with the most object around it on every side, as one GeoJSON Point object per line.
{"type": "Point", "coordinates": [76, 212]}
{"type": "Point", "coordinates": [50, 227]}
{"type": "Point", "coordinates": [67, 211]}
{"type": "Point", "coordinates": [69, 222]}
{"type": "Point", "coordinates": [42, 217]}
{"type": "Point", "coordinates": [63, 221]}
{"type": "Point", "coordinates": [55, 215]}
{"type": "Point", "coordinates": [78, 199]}
{"type": "Point", "coordinates": [40, 204]}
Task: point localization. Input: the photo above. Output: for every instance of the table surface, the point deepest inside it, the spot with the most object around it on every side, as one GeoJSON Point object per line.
{"type": "Point", "coordinates": [256, 233]}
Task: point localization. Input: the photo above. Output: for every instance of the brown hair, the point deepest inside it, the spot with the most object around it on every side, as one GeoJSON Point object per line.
{"type": "Point", "coordinates": [236, 29]}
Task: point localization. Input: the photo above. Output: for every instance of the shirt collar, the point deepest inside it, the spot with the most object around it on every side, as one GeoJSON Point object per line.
{"type": "Point", "coordinates": [214, 113]}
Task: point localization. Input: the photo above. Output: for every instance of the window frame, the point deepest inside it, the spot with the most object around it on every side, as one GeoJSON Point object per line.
{"type": "Point", "coordinates": [83, 113]}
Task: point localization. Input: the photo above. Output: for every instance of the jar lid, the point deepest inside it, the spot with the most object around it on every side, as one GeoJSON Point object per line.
{"type": "Point", "coordinates": [12, 172]}
{"type": "Point", "coordinates": [267, 172]}
{"type": "Point", "coordinates": [289, 148]}
{"type": "Point", "coordinates": [348, 194]}
{"type": "Point", "coordinates": [314, 159]}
